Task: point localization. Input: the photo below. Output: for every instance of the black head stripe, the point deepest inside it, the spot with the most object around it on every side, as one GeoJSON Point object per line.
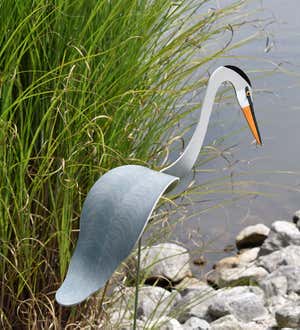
{"type": "Point", "coordinates": [240, 72]}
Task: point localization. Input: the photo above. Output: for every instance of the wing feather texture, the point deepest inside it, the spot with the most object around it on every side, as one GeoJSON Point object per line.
{"type": "Point", "coordinates": [114, 215]}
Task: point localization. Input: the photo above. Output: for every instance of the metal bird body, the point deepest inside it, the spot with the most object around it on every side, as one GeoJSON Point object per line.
{"type": "Point", "coordinates": [120, 203]}
{"type": "Point", "coordinates": [242, 86]}
{"type": "Point", "coordinates": [114, 214]}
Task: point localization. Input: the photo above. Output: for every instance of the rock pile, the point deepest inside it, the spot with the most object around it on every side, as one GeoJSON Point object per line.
{"type": "Point", "coordinates": [257, 289]}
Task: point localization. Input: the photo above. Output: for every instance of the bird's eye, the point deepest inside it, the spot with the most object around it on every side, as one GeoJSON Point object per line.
{"type": "Point", "coordinates": [248, 93]}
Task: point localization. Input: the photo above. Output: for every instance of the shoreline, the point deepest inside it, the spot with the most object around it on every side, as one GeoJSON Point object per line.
{"type": "Point", "coordinates": [257, 288]}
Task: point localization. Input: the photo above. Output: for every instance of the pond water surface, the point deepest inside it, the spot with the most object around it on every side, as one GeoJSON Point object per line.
{"type": "Point", "coordinates": [272, 171]}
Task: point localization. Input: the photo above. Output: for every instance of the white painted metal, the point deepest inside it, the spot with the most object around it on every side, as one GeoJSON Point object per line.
{"type": "Point", "coordinates": [186, 161]}
{"type": "Point", "coordinates": [120, 203]}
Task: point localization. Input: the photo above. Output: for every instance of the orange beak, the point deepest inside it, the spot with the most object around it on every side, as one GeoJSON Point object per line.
{"type": "Point", "coordinates": [251, 120]}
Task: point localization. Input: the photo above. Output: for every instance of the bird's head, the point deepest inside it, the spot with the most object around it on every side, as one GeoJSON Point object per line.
{"type": "Point", "coordinates": [242, 86]}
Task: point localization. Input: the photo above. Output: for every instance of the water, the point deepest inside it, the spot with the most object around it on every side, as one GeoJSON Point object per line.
{"type": "Point", "coordinates": [272, 171]}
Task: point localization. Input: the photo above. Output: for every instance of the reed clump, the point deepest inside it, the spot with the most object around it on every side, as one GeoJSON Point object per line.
{"type": "Point", "coordinates": [85, 86]}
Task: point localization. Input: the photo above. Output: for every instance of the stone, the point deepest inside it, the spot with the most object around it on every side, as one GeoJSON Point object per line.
{"type": "Point", "coordinates": [274, 303]}
{"type": "Point", "coordinates": [200, 261]}
{"type": "Point", "coordinates": [228, 322]}
{"type": "Point", "coordinates": [123, 298]}
{"type": "Point", "coordinates": [194, 303]}
{"type": "Point", "coordinates": [163, 323]}
{"type": "Point", "coordinates": [155, 301]}
{"type": "Point", "coordinates": [246, 275]}
{"type": "Point", "coordinates": [282, 234]}
{"type": "Point", "coordinates": [292, 275]}
{"type": "Point", "coordinates": [274, 285]}
{"type": "Point", "coordinates": [242, 275]}
{"type": "Point", "coordinates": [248, 255]}
{"type": "Point", "coordinates": [252, 236]}
{"type": "Point", "coordinates": [267, 322]}
{"type": "Point", "coordinates": [212, 278]}
{"type": "Point", "coordinates": [228, 262]}
{"type": "Point", "coordinates": [288, 316]}
{"type": "Point", "coordinates": [285, 227]}
{"type": "Point", "coordinates": [166, 260]}
{"type": "Point", "coordinates": [120, 316]}
{"type": "Point", "coordinates": [194, 323]}
{"type": "Point", "coordinates": [243, 258]}
{"type": "Point", "coordinates": [171, 324]}
{"type": "Point", "coordinates": [226, 271]}
{"type": "Point", "coordinates": [293, 297]}
{"type": "Point", "coordinates": [252, 326]}
{"type": "Point", "coordinates": [127, 325]}
{"type": "Point", "coordinates": [152, 302]}
{"type": "Point", "coordinates": [288, 256]}
{"type": "Point", "coordinates": [296, 218]}
{"type": "Point", "coordinates": [191, 283]}
{"type": "Point", "coordinates": [244, 303]}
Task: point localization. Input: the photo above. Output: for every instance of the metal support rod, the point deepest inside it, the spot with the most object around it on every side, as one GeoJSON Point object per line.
{"type": "Point", "coordinates": [137, 284]}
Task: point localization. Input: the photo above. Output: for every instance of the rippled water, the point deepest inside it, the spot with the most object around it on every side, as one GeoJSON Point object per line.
{"type": "Point", "coordinates": [273, 171]}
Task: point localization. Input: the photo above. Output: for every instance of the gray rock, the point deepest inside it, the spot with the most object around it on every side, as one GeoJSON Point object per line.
{"type": "Point", "coordinates": [245, 275]}
{"type": "Point", "coordinates": [292, 275]}
{"type": "Point", "coordinates": [243, 258]}
{"type": "Point", "coordinates": [127, 325]}
{"type": "Point", "coordinates": [274, 285]}
{"type": "Point", "coordinates": [296, 218]}
{"type": "Point", "coordinates": [194, 303]}
{"type": "Point", "coordinates": [166, 260]}
{"type": "Point", "coordinates": [288, 256]}
{"type": "Point", "coordinates": [228, 322]}
{"type": "Point", "coordinates": [267, 322]}
{"type": "Point", "coordinates": [120, 316]}
{"type": "Point", "coordinates": [163, 323]}
{"type": "Point", "coordinates": [288, 316]}
{"type": "Point", "coordinates": [294, 298]}
{"type": "Point", "coordinates": [275, 303]}
{"type": "Point", "coordinates": [236, 270]}
{"type": "Point", "coordinates": [194, 323]}
{"type": "Point", "coordinates": [285, 227]}
{"type": "Point", "coordinates": [171, 324]}
{"type": "Point", "coordinates": [248, 255]}
{"type": "Point", "coordinates": [241, 302]}
{"type": "Point", "coordinates": [153, 301]}
{"type": "Point", "coordinates": [282, 234]}
{"type": "Point", "coordinates": [123, 299]}
{"type": "Point", "coordinates": [212, 278]}
{"type": "Point", "coordinates": [192, 284]}
{"type": "Point", "coordinates": [252, 326]}
{"type": "Point", "coordinates": [252, 236]}
{"type": "Point", "coordinates": [228, 262]}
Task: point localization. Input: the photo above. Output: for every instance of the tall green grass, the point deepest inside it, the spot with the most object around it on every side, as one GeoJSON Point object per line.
{"type": "Point", "coordinates": [85, 86]}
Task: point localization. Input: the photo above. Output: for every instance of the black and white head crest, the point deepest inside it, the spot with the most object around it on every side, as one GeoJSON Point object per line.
{"type": "Point", "coordinates": [240, 72]}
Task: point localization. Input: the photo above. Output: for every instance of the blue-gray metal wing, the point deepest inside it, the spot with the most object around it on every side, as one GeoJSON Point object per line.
{"type": "Point", "coordinates": [114, 215]}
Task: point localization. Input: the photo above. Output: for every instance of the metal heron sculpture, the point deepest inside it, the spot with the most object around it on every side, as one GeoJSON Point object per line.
{"type": "Point", "coordinates": [120, 203]}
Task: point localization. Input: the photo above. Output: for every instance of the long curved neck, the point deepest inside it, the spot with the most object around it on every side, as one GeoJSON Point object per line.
{"type": "Point", "coordinates": [187, 159]}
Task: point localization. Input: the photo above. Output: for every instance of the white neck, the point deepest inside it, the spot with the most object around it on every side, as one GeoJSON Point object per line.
{"type": "Point", "coordinates": [187, 159]}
